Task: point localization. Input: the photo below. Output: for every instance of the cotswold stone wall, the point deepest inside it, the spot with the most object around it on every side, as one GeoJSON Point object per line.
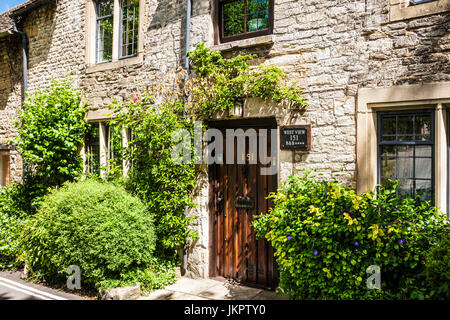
{"type": "Point", "coordinates": [10, 97]}
{"type": "Point", "coordinates": [330, 48]}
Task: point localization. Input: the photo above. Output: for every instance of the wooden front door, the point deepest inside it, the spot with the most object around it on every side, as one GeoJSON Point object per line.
{"type": "Point", "coordinates": [238, 193]}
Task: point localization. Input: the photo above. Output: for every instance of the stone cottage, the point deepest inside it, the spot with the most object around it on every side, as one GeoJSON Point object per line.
{"type": "Point", "coordinates": [376, 74]}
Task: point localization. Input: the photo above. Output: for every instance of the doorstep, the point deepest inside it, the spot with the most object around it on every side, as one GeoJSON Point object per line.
{"type": "Point", "coordinates": [208, 289]}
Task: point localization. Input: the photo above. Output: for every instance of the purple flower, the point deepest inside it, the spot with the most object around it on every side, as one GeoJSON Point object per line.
{"type": "Point", "coordinates": [289, 238]}
{"type": "Point", "coordinates": [423, 227]}
{"type": "Point", "coordinates": [395, 209]}
{"type": "Point", "coordinates": [303, 208]}
{"type": "Point", "coordinates": [315, 252]}
{"type": "Point", "coordinates": [356, 244]}
{"type": "Point", "coordinates": [401, 241]}
{"type": "Point", "coordinates": [341, 211]}
{"type": "Point", "coordinates": [350, 211]}
{"type": "Point", "coordinates": [326, 195]}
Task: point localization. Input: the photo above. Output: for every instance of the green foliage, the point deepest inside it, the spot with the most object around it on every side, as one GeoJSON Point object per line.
{"type": "Point", "coordinates": [165, 185]}
{"type": "Point", "coordinates": [14, 208]}
{"type": "Point", "coordinates": [437, 267]}
{"type": "Point", "coordinates": [326, 236]}
{"type": "Point", "coordinates": [95, 225]}
{"type": "Point", "coordinates": [220, 81]}
{"type": "Point", "coordinates": [158, 275]}
{"type": "Point", "coordinates": [51, 130]}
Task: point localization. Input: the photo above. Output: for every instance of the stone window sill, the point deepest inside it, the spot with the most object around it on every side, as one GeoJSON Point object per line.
{"type": "Point", "coordinates": [401, 10]}
{"type": "Point", "coordinates": [137, 60]}
{"type": "Point", "coordinates": [244, 43]}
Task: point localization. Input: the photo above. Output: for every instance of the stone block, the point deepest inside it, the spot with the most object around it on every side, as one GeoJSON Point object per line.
{"type": "Point", "coordinates": [126, 293]}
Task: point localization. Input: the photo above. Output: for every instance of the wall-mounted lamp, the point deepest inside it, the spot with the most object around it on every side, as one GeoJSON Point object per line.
{"type": "Point", "coordinates": [238, 109]}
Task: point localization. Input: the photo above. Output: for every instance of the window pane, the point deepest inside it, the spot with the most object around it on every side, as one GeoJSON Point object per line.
{"type": "Point", "coordinates": [92, 145]}
{"type": "Point", "coordinates": [233, 16]}
{"type": "Point", "coordinates": [388, 167]}
{"type": "Point", "coordinates": [405, 151]}
{"type": "Point", "coordinates": [388, 151]}
{"type": "Point", "coordinates": [104, 40]}
{"type": "Point", "coordinates": [389, 124]}
{"type": "Point", "coordinates": [424, 189]}
{"type": "Point", "coordinates": [424, 151]}
{"type": "Point", "coordinates": [423, 168]}
{"type": "Point", "coordinates": [405, 168]}
{"type": "Point", "coordinates": [405, 128]}
{"type": "Point", "coordinates": [423, 127]}
{"type": "Point", "coordinates": [257, 15]}
{"type": "Point", "coordinates": [105, 8]}
{"type": "Point", "coordinates": [405, 188]}
{"type": "Point", "coordinates": [130, 27]}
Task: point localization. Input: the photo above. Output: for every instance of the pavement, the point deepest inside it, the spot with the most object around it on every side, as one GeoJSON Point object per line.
{"type": "Point", "coordinates": [12, 287]}
{"type": "Point", "coordinates": [209, 289]}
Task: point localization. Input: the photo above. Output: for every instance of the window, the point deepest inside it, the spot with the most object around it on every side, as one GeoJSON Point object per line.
{"type": "Point", "coordinates": [129, 27]}
{"type": "Point", "coordinates": [102, 151]}
{"type": "Point", "coordinates": [114, 33]}
{"type": "Point", "coordinates": [241, 19]}
{"type": "Point", "coordinates": [92, 150]}
{"type": "Point", "coordinates": [405, 152]}
{"type": "Point", "coordinates": [4, 168]}
{"type": "Point", "coordinates": [105, 22]}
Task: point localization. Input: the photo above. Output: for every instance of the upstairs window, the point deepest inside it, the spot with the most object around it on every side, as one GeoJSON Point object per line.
{"type": "Point", "coordinates": [240, 19]}
{"type": "Point", "coordinates": [105, 25]}
{"type": "Point", "coordinates": [114, 30]}
{"type": "Point", "coordinates": [129, 28]}
{"type": "Point", "coordinates": [405, 152]}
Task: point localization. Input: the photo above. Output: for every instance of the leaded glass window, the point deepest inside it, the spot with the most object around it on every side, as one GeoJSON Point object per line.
{"type": "Point", "coordinates": [129, 28]}
{"type": "Point", "coordinates": [245, 18]}
{"type": "Point", "coordinates": [92, 149]}
{"type": "Point", "coordinates": [405, 152]}
{"type": "Point", "coordinates": [105, 22]}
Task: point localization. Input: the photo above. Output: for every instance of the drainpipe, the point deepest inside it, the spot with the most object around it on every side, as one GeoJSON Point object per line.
{"type": "Point", "coordinates": [24, 55]}
{"type": "Point", "coordinates": [188, 32]}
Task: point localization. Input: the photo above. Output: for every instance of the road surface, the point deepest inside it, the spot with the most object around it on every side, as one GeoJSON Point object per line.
{"type": "Point", "coordinates": [14, 288]}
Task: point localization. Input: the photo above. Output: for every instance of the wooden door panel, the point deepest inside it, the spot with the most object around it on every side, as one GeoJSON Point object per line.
{"type": "Point", "coordinates": [237, 252]}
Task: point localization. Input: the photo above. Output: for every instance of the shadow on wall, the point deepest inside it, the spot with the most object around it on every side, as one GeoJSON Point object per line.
{"type": "Point", "coordinates": [169, 13]}
{"type": "Point", "coordinates": [429, 60]}
{"type": "Point", "coordinates": [11, 72]}
{"type": "Point", "coordinates": [40, 26]}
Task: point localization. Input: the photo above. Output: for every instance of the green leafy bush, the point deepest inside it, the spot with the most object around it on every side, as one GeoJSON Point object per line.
{"type": "Point", "coordinates": [326, 236]}
{"type": "Point", "coordinates": [15, 208]}
{"type": "Point", "coordinates": [95, 225]}
{"type": "Point", "coordinates": [166, 186]}
{"type": "Point", "coordinates": [51, 131]}
{"type": "Point", "coordinates": [437, 268]}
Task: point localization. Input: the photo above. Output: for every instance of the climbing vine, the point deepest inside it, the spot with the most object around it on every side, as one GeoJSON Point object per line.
{"type": "Point", "coordinates": [219, 82]}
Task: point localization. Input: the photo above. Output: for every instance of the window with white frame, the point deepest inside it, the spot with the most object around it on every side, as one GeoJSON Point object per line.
{"type": "Point", "coordinates": [105, 22]}
{"type": "Point", "coordinates": [129, 28]}
{"type": "Point", "coordinates": [117, 25]}
{"type": "Point", "coordinates": [103, 149]}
